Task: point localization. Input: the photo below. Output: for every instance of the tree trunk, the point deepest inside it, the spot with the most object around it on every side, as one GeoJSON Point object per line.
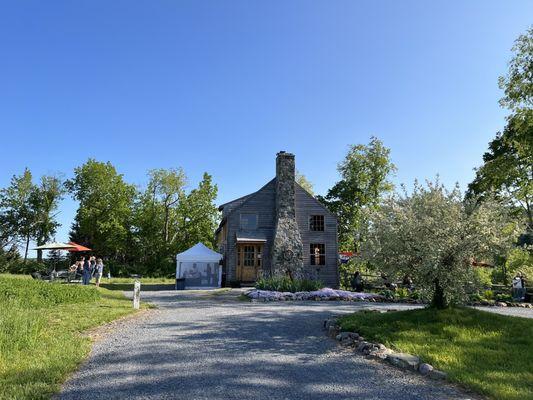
{"type": "Point", "coordinates": [40, 242]}
{"type": "Point", "coordinates": [439, 300]}
{"type": "Point", "coordinates": [27, 247]}
{"type": "Point", "coordinates": [166, 223]}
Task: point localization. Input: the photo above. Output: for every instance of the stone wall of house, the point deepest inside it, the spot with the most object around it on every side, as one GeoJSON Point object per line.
{"type": "Point", "coordinates": [287, 248]}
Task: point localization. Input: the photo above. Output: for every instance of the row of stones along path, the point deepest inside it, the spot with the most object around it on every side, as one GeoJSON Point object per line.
{"type": "Point", "coordinates": [198, 345]}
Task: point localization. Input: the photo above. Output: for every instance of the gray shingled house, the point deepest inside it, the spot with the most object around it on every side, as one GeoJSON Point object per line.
{"type": "Point", "coordinates": [278, 230]}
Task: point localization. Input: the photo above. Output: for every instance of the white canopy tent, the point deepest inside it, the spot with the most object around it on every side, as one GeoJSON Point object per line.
{"type": "Point", "coordinates": [200, 267]}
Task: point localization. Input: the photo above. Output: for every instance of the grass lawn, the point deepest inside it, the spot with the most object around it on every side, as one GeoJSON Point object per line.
{"type": "Point", "coordinates": [146, 283]}
{"type": "Point", "coordinates": [40, 332]}
{"type": "Point", "coordinates": [489, 353]}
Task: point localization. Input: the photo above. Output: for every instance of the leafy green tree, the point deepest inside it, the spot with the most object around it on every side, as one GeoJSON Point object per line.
{"type": "Point", "coordinates": [105, 208]}
{"type": "Point", "coordinates": [519, 261]}
{"type": "Point", "coordinates": [156, 218]}
{"type": "Point", "coordinates": [518, 83]}
{"type": "Point", "coordinates": [507, 169]}
{"type": "Point", "coordinates": [433, 236]}
{"type": "Point", "coordinates": [304, 183]}
{"type": "Point", "coordinates": [365, 174]}
{"type": "Point", "coordinates": [17, 213]}
{"type": "Point", "coordinates": [199, 215]}
{"type": "Point", "coordinates": [45, 201]}
{"type": "Point", "coordinates": [167, 220]}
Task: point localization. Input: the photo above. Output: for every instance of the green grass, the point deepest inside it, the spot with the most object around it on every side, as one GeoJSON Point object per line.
{"type": "Point", "coordinates": [146, 283]}
{"type": "Point", "coordinates": [143, 280]}
{"type": "Point", "coordinates": [489, 353]}
{"type": "Point", "coordinates": [40, 332]}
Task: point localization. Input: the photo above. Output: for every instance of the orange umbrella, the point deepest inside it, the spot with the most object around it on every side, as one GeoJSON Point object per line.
{"type": "Point", "coordinates": [77, 247]}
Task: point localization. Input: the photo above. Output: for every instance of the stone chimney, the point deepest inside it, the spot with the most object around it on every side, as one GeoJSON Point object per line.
{"type": "Point", "coordinates": [287, 249]}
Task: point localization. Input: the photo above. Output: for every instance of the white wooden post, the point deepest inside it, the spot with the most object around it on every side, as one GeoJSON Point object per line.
{"type": "Point", "coordinates": [137, 295]}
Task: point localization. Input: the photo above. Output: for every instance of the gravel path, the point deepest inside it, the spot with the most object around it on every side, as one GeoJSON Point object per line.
{"type": "Point", "coordinates": [199, 346]}
{"type": "Point", "coordinates": [509, 311]}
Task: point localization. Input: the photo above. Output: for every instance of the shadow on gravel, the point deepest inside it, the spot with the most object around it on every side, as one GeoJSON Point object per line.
{"type": "Point", "coordinates": [213, 350]}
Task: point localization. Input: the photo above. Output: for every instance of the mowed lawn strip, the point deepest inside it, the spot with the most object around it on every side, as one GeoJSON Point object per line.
{"type": "Point", "coordinates": [489, 353]}
{"type": "Point", "coordinates": [41, 327]}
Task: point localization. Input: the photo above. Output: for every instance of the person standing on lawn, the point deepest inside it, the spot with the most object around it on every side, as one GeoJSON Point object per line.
{"type": "Point", "coordinates": [99, 271]}
{"type": "Point", "coordinates": [87, 272]}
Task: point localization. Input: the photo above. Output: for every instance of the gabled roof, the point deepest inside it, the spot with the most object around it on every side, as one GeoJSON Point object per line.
{"type": "Point", "coordinates": [237, 203]}
{"type": "Point", "coordinates": [199, 252]}
{"type": "Point", "coordinates": [242, 200]}
{"type": "Point", "coordinates": [233, 202]}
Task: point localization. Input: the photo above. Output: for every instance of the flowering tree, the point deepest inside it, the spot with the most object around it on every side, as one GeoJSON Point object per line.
{"type": "Point", "coordinates": [433, 236]}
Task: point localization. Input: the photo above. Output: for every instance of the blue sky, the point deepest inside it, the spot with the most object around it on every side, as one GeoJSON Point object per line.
{"type": "Point", "coordinates": [221, 86]}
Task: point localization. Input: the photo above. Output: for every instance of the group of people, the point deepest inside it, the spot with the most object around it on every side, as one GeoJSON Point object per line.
{"type": "Point", "coordinates": [88, 268]}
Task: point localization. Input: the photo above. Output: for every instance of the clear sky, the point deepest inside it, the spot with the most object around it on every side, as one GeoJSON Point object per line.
{"type": "Point", "coordinates": [221, 86]}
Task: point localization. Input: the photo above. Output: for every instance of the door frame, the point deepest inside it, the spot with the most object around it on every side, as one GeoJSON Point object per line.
{"type": "Point", "coordinates": [258, 260]}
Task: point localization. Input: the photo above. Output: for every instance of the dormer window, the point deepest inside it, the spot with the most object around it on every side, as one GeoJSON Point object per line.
{"type": "Point", "coordinates": [316, 223]}
{"type": "Point", "coordinates": [248, 222]}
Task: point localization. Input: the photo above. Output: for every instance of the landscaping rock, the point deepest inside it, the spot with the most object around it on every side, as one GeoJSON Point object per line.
{"type": "Point", "coordinates": [438, 375]}
{"type": "Point", "coordinates": [425, 368]}
{"type": "Point", "coordinates": [332, 331]}
{"type": "Point", "coordinates": [404, 360]}
{"type": "Point", "coordinates": [343, 336]}
{"type": "Point", "coordinates": [329, 322]}
{"type": "Point", "coordinates": [500, 304]}
{"type": "Point", "coordinates": [380, 353]}
{"type": "Point", "coordinates": [362, 346]}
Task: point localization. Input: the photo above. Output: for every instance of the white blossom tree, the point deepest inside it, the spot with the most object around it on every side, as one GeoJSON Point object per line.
{"type": "Point", "coordinates": [433, 236]}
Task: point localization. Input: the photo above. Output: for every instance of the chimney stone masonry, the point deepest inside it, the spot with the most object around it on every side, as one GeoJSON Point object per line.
{"type": "Point", "coordinates": [287, 249]}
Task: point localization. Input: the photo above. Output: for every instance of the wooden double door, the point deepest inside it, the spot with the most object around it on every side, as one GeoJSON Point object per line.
{"type": "Point", "coordinates": [249, 262]}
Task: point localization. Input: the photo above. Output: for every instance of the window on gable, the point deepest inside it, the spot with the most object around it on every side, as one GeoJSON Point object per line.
{"type": "Point", "coordinates": [316, 223]}
{"type": "Point", "coordinates": [317, 254]}
{"type": "Point", "coordinates": [248, 221]}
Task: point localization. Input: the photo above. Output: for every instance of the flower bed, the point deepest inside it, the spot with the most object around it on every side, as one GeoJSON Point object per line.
{"type": "Point", "coordinates": [319, 295]}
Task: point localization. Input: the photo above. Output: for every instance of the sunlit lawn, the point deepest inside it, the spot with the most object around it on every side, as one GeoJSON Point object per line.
{"type": "Point", "coordinates": [489, 353]}
{"type": "Point", "coordinates": [40, 332]}
{"type": "Point", "coordinates": [146, 283]}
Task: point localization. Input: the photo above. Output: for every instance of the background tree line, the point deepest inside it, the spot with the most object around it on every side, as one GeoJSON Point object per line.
{"type": "Point", "coordinates": [135, 229]}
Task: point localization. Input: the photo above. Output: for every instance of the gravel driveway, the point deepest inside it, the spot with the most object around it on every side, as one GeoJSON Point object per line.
{"type": "Point", "coordinates": [199, 346]}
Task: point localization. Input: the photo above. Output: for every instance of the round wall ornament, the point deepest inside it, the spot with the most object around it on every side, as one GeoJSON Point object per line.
{"type": "Point", "coordinates": [288, 255]}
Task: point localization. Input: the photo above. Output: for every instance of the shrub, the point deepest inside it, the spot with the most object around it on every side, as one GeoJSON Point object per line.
{"type": "Point", "coordinates": [285, 284]}
{"type": "Point", "coordinates": [402, 293]}
{"type": "Point", "coordinates": [483, 277]}
{"type": "Point", "coordinates": [488, 295]}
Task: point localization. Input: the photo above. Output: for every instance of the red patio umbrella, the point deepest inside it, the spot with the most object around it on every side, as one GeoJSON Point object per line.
{"type": "Point", "coordinates": [77, 247]}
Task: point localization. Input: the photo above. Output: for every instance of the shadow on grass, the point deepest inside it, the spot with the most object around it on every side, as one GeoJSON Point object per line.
{"type": "Point", "coordinates": [490, 353]}
{"type": "Point", "coordinates": [155, 287]}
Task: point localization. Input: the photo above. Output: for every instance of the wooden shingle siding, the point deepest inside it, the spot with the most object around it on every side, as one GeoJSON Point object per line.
{"type": "Point", "coordinates": [263, 203]}
{"type": "Point", "coordinates": [307, 205]}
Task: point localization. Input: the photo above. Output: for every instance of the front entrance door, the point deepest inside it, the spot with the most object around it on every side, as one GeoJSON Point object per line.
{"type": "Point", "coordinates": [248, 262]}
